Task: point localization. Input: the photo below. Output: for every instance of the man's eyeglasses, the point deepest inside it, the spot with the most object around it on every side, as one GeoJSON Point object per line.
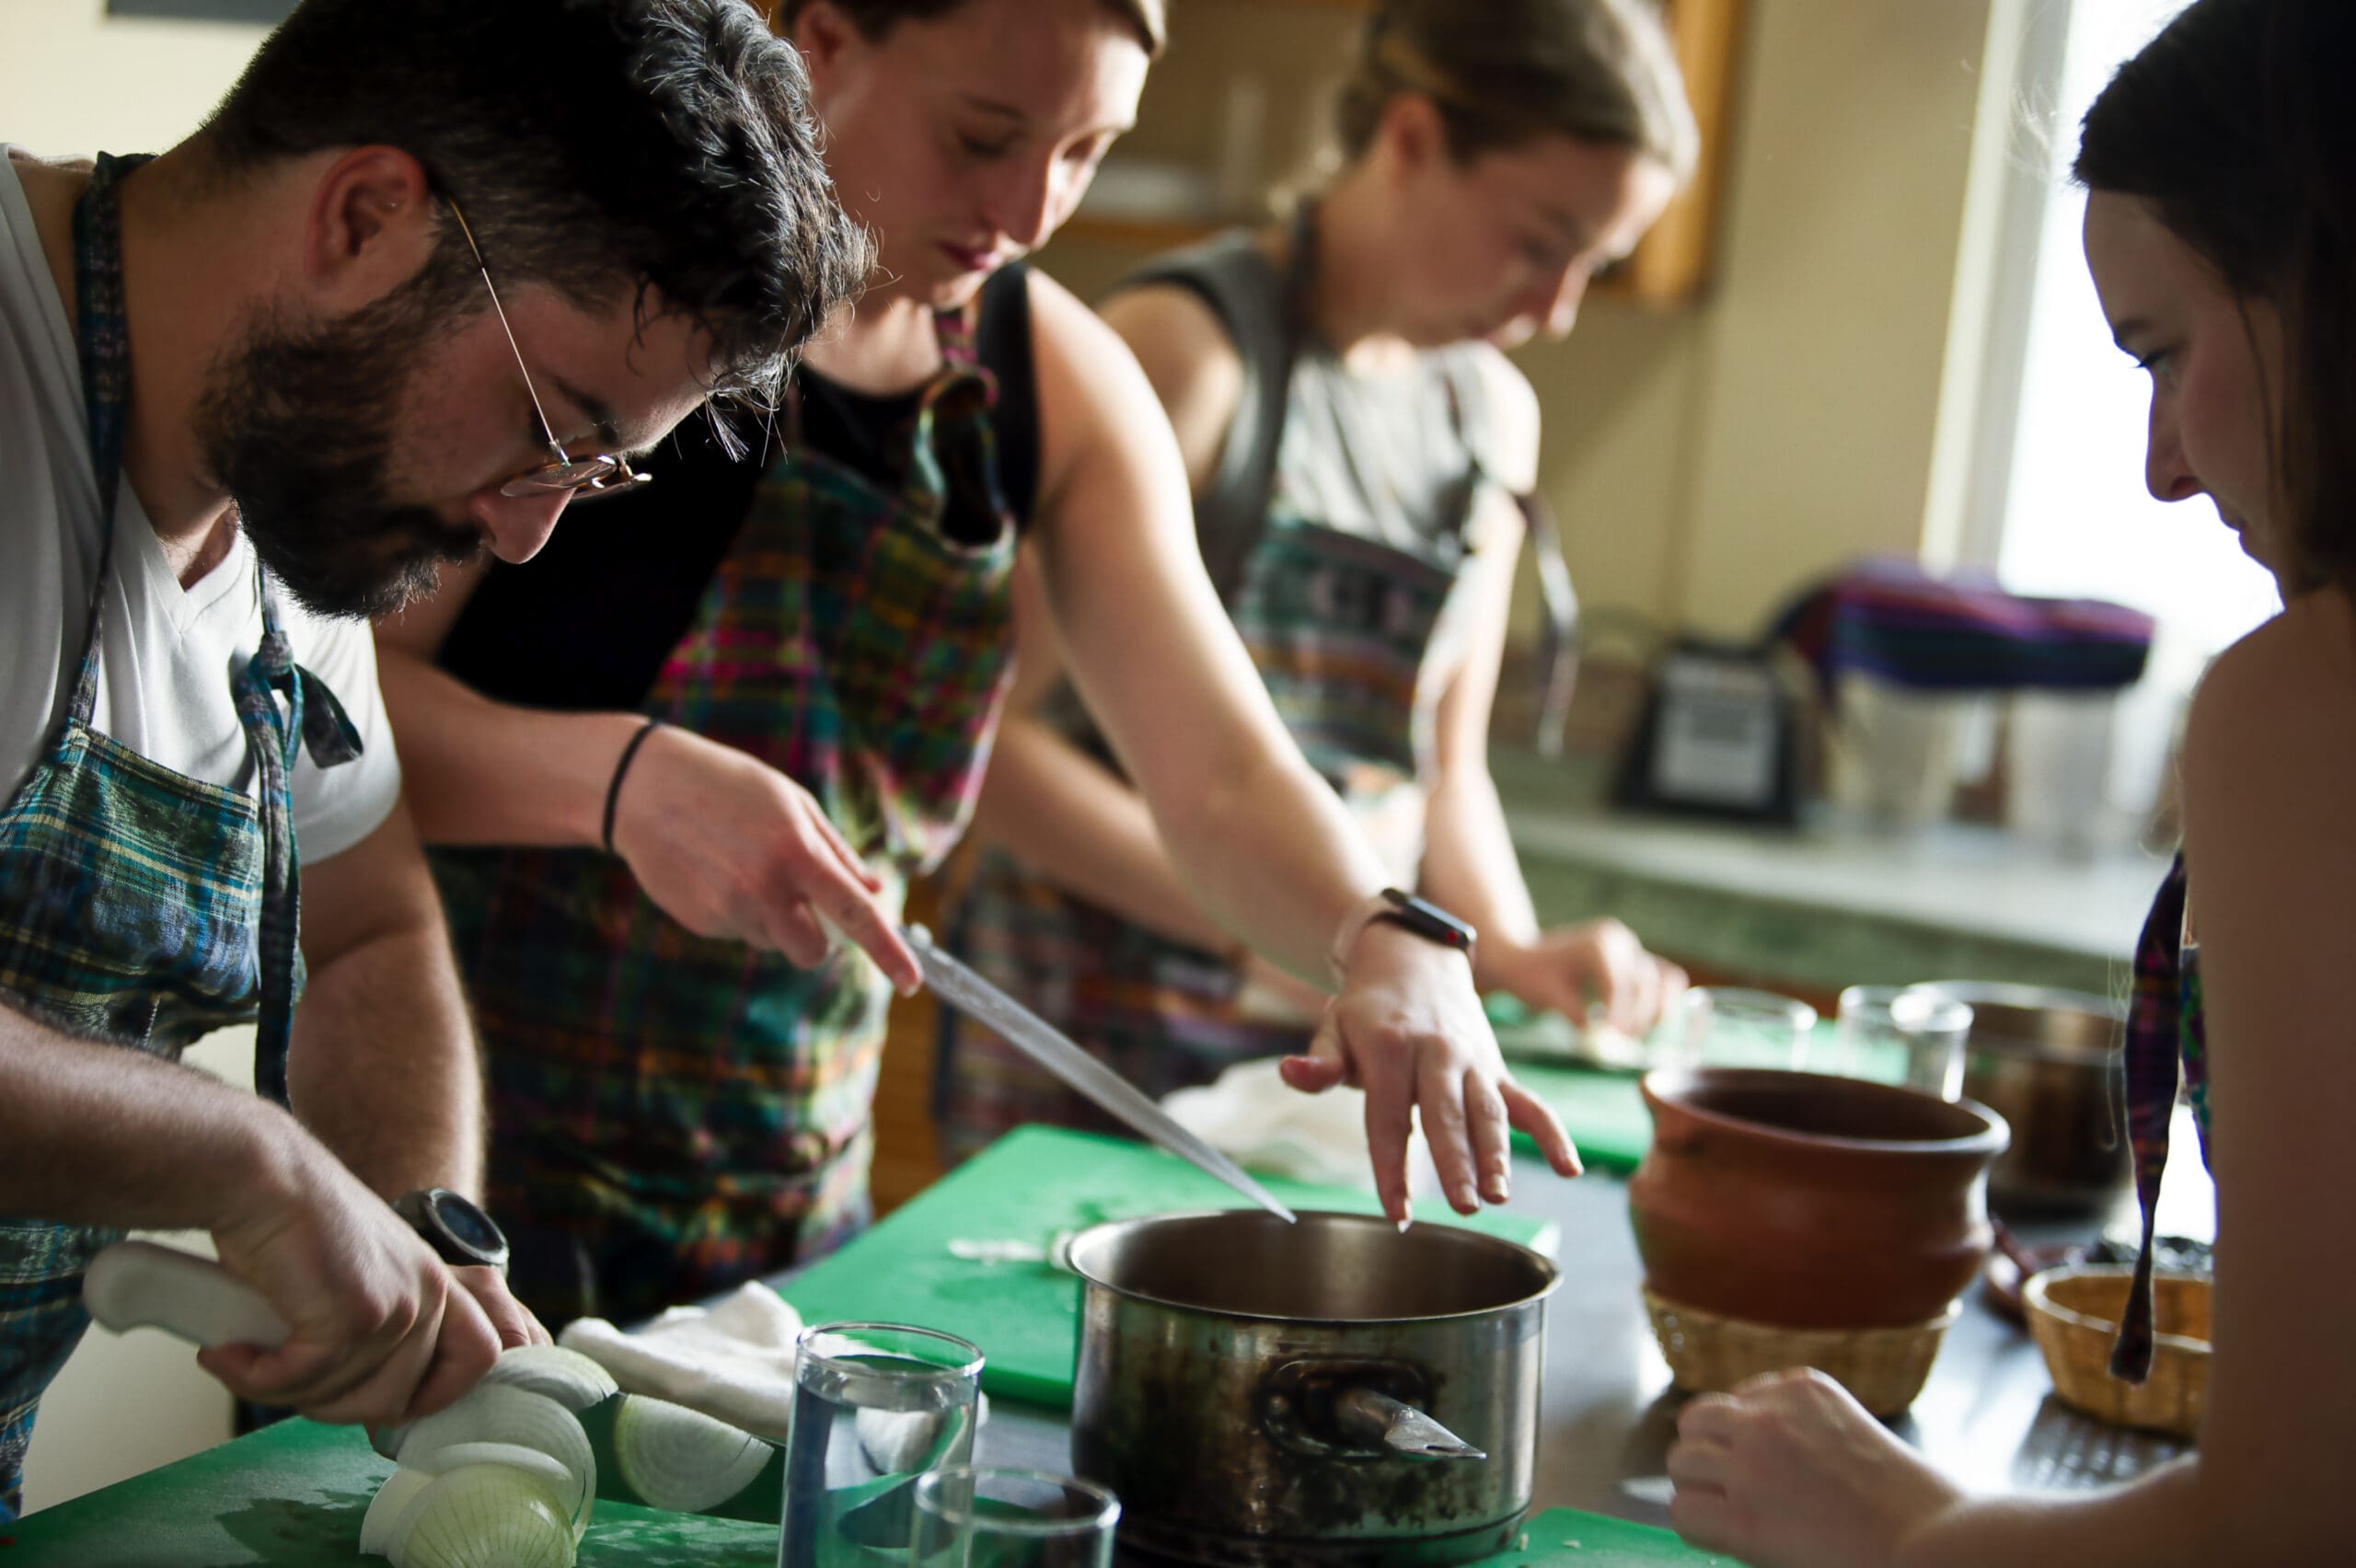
{"type": "Point", "coordinates": [583, 478]}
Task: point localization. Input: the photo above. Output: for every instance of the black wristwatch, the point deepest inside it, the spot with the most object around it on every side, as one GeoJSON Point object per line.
{"type": "Point", "coordinates": [1428, 921]}
{"type": "Point", "coordinates": [455, 1227]}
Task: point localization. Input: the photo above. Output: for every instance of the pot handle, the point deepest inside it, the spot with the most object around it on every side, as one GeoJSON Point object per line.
{"type": "Point", "coordinates": [1353, 1409]}
{"type": "Point", "coordinates": [1377, 1421]}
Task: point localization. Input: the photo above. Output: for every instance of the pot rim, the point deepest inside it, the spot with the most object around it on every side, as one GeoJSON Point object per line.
{"type": "Point", "coordinates": [1076, 1254]}
{"type": "Point", "coordinates": [1994, 1137]}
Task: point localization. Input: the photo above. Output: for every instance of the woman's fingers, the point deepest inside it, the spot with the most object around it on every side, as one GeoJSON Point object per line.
{"type": "Point", "coordinates": [1439, 1089]}
{"type": "Point", "coordinates": [1534, 1116]}
{"type": "Point", "coordinates": [1484, 1109]}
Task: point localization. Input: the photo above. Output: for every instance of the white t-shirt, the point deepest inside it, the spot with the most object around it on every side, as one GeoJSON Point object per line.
{"type": "Point", "coordinates": [170, 653]}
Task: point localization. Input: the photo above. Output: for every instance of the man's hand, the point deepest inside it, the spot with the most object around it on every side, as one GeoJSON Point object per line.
{"type": "Point", "coordinates": [384, 1331]}
{"type": "Point", "coordinates": [729, 847]}
{"type": "Point", "coordinates": [1408, 1029]}
{"type": "Point", "coordinates": [510, 1318]}
{"type": "Point", "coordinates": [1596, 974]}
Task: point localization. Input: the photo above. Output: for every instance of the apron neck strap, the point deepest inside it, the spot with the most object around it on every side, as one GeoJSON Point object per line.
{"type": "Point", "coordinates": [102, 328]}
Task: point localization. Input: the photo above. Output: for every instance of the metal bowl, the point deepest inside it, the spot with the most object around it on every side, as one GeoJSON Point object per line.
{"type": "Point", "coordinates": [2047, 1061]}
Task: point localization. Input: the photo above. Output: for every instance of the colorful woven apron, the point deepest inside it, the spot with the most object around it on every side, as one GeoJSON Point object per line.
{"type": "Point", "coordinates": [2167, 1048]}
{"type": "Point", "coordinates": [675, 1115]}
{"type": "Point", "coordinates": [137, 906]}
{"type": "Point", "coordinates": [1354, 640]}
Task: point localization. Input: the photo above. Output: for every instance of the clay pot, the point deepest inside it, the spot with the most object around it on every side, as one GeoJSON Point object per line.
{"type": "Point", "coordinates": [1809, 1202]}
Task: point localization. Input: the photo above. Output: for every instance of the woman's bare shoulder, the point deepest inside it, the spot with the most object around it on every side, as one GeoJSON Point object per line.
{"type": "Point", "coordinates": [2270, 745]}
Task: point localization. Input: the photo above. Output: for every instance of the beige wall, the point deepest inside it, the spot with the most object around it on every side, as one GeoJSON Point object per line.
{"type": "Point", "coordinates": [72, 80]}
{"type": "Point", "coordinates": [1707, 461]}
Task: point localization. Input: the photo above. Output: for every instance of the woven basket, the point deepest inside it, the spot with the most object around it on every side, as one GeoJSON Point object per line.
{"type": "Point", "coordinates": [2073, 1316]}
{"type": "Point", "coordinates": [1884, 1367]}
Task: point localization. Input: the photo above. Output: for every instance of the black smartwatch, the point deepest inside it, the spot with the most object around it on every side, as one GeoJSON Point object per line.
{"type": "Point", "coordinates": [455, 1227]}
{"type": "Point", "coordinates": [1426, 920]}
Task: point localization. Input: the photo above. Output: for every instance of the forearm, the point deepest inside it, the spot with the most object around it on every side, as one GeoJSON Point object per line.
{"type": "Point", "coordinates": [2169, 1516]}
{"type": "Point", "coordinates": [106, 1134]}
{"type": "Point", "coordinates": [383, 1067]}
{"type": "Point", "coordinates": [485, 772]}
{"type": "Point", "coordinates": [1078, 826]}
{"type": "Point", "coordinates": [1271, 853]}
{"type": "Point", "coordinates": [1470, 867]}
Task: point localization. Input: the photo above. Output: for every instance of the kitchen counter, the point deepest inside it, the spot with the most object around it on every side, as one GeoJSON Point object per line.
{"type": "Point", "coordinates": [295, 1495]}
{"type": "Point", "coordinates": [1830, 903]}
{"type": "Point", "coordinates": [1987, 1416]}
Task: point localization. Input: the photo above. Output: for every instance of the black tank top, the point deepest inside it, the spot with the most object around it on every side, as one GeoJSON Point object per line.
{"type": "Point", "coordinates": [586, 624]}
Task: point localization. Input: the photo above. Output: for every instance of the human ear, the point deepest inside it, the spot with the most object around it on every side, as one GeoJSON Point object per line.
{"type": "Point", "coordinates": [1412, 132]}
{"type": "Point", "coordinates": [824, 36]}
{"type": "Point", "coordinates": [370, 227]}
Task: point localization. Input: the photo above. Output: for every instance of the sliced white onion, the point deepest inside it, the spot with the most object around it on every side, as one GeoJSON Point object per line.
{"type": "Point", "coordinates": [571, 1379]}
{"type": "Point", "coordinates": [496, 1415]}
{"type": "Point", "coordinates": [563, 1483]}
{"type": "Point", "coordinates": [380, 1531]}
{"type": "Point", "coordinates": [683, 1460]}
{"type": "Point", "coordinates": [485, 1516]}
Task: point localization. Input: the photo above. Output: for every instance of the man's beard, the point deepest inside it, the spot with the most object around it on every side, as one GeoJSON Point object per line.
{"type": "Point", "coordinates": [298, 426]}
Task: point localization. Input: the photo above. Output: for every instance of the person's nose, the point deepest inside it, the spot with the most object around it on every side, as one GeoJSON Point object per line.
{"type": "Point", "coordinates": [1029, 203]}
{"type": "Point", "coordinates": [2165, 473]}
{"type": "Point", "coordinates": [1561, 311]}
{"type": "Point", "coordinates": [518, 526]}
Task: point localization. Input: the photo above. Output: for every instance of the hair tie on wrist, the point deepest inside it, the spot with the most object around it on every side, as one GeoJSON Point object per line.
{"type": "Point", "coordinates": [614, 789]}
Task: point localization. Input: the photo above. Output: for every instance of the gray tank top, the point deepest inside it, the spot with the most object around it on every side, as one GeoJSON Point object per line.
{"type": "Point", "coordinates": [1352, 452]}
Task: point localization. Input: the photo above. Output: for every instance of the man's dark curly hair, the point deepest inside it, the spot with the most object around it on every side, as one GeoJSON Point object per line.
{"type": "Point", "coordinates": [659, 150]}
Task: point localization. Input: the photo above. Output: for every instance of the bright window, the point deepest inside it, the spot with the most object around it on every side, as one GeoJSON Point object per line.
{"type": "Point", "coordinates": [2077, 518]}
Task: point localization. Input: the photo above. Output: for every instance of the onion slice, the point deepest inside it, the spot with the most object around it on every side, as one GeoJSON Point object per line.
{"type": "Point", "coordinates": [381, 1534]}
{"type": "Point", "coordinates": [485, 1516]}
{"type": "Point", "coordinates": [563, 1483]}
{"type": "Point", "coordinates": [683, 1460]}
{"type": "Point", "coordinates": [571, 1379]}
{"type": "Point", "coordinates": [496, 1415]}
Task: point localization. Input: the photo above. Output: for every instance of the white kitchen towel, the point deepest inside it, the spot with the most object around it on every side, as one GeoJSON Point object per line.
{"type": "Point", "coordinates": [733, 1360]}
{"type": "Point", "coordinates": [1250, 1115]}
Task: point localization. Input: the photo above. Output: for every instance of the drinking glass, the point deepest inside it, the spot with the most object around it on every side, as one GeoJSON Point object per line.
{"type": "Point", "coordinates": [876, 1407]}
{"type": "Point", "coordinates": [1727, 1026]}
{"type": "Point", "coordinates": [969, 1517]}
{"type": "Point", "coordinates": [1908, 1034]}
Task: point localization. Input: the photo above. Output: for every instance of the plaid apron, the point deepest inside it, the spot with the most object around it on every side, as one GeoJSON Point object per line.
{"type": "Point", "coordinates": [2167, 1048]}
{"type": "Point", "coordinates": [1353, 638]}
{"type": "Point", "coordinates": [137, 906]}
{"type": "Point", "coordinates": [675, 1115]}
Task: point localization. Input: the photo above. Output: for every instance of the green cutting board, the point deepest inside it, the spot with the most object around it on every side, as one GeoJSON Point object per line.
{"type": "Point", "coordinates": [1600, 1109]}
{"type": "Point", "coordinates": [1565, 1537]}
{"type": "Point", "coordinates": [293, 1497]}
{"type": "Point", "coordinates": [1027, 1187]}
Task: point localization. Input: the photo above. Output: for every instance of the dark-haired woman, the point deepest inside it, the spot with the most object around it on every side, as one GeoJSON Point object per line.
{"type": "Point", "coordinates": [1355, 440]}
{"type": "Point", "coordinates": [2220, 226]}
{"type": "Point", "coordinates": [681, 1072]}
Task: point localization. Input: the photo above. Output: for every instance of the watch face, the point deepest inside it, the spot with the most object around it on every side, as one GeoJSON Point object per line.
{"type": "Point", "coordinates": [467, 1224]}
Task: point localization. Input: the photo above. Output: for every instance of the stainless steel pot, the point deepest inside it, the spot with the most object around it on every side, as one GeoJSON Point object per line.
{"type": "Point", "coordinates": [1300, 1396]}
{"type": "Point", "coordinates": [2047, 1061]}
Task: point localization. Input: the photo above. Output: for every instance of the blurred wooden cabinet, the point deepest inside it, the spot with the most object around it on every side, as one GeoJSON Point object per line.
{"type": "Point", "coordinates": [1236, 68]}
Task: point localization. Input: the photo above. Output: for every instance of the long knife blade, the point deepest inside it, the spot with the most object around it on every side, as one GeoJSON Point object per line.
{"type": "Point", "coordinates": [984, 1003]}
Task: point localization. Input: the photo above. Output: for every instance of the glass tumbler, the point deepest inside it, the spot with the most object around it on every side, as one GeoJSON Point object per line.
{"type": "Point", "coordinates": [969, 1517]}
{"type": "Point", "coordinates": [876, 1407]}
{"type": "Point", "coordinates": [1908, 1034]}
{"type": "Point", "coordinates": [1724, 1026]}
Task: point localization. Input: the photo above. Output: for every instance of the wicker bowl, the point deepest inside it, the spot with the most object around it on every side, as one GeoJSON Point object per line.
{"type": "Point", "coordinates": [2073, 1316]}
{"type": "Point", "coordinates": [1884, 1367]}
